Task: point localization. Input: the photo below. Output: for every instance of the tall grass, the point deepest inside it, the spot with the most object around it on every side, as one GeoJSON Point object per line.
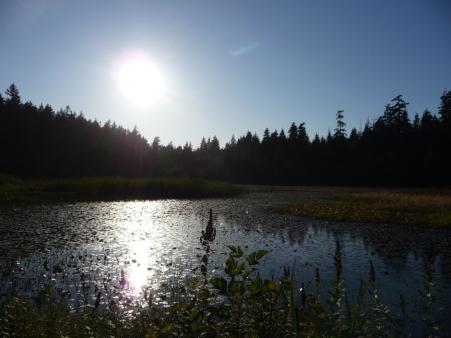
{"type": "Point", "coordinates": [110, 188]}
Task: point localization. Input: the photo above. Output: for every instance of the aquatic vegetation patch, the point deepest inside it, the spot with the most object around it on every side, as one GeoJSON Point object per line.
{"type": "Point", "coordinates": [14, 190]}
{"type": "Point", "coordinates": [431, 208]}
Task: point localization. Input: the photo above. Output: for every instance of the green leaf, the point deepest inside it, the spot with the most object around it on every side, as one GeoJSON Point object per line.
{"type": "Point", "coordinates": [234, 287]}
{"type": "Point", "coordinates": [271, 285]}
{"type": "Point", "coordinates": [194, 314]}
{"type": "Point", "coordinates": [261, 253]}
{"type": "Point", "coordinates": [232, 248]}
{"type": "Point", "coordinates": [168, 328]}
{"type": "Point", "coordinates": [219, 283]}
{"type": "Point", "coordinates": [235, 251]}
{"type": "Point", "coordinates": [255, 285]}
{"type": "Point", "coordinates": [230, 265]}
{"type": "Point", "coordinates": [252, 259]}
{"type": "Point", "coordinates": [239, 269]}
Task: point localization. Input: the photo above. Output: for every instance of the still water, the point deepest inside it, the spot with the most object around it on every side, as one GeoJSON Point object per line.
{"type": "Point", "coordinates": [89, 249]}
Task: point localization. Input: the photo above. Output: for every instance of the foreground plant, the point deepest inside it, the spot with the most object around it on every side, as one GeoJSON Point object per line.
{"type": "Point", "coordinates": [239, 303]}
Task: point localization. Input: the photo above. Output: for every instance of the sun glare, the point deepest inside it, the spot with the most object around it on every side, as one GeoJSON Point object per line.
{"type": "Point", "coordinates": [140, 79]}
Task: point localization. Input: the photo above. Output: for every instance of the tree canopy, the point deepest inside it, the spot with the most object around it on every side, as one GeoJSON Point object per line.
{"type": "Point", "coordinates": [36, 141]}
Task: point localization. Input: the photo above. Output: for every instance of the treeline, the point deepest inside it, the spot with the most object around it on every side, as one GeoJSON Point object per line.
{"type": "Point", "coordinates": [36, 141]}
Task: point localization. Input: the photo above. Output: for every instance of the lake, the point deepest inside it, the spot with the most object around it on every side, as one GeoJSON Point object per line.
{"type": "Point", "coordinates": [121, 247]}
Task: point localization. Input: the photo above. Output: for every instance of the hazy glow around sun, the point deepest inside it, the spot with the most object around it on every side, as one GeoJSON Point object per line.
{"type": "Point", "coordinates": [140, 79]}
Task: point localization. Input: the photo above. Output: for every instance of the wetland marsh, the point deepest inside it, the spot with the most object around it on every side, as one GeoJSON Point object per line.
{"type": "Point", "coordinates": [128, 250]}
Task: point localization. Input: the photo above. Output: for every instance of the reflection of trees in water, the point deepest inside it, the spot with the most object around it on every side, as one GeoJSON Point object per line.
{"type": "Point", "coordinates": [395, 243]}
{"type": "Point", "coordinates": [285, 229]}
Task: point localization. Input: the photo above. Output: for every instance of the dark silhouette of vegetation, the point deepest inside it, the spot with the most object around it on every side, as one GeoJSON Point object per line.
{"type": "Point", "coordinates": [390, 151]}
{"type": "Point", "coordinates": [15, 191]}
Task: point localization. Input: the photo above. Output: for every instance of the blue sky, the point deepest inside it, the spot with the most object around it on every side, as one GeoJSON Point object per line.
{"type": "Point", "coordinates": [231, 66]}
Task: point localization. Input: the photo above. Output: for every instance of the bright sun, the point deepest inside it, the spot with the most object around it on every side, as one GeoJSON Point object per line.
{"type": "Point", "coordinates": [141, 81]}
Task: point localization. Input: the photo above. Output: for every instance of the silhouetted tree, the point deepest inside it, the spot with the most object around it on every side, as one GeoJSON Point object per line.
{"type": "Point", "coordinates": [214, 144]}
{"type": "Point", "coordinates": [340, 129]}
{"type": "Point", "coordinates": [445, 108]}
{"type": "Point", "coordinates": [13, 96]}
{"type": "Point", "coordinates": [395, 116]}
{"type": "Point", "coordinates": [156, 143]}
{"type": "Point", "coordinates": [293, 133]}
{"type": "Point", "coordinates": [302, 134]}
{"type": "Point", "coordinates": [203, 144]}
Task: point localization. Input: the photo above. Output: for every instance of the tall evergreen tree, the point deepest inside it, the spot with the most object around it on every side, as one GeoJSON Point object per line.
{"type": "Point", "coordinates": [340, 129]}
{"type": "Point", "coordinates": [302, 134]}
{"type": "Point", "coordinates": [203, 144]}
{"type": "Point", "coordinates": [13, 94]}
{"type": "Point", "coordinates": [445, 108]}
{"type": "Point", "coordinates": [395, 116]}
{"type": "Point", "coordinates": [214, 144]}
{"type": "Point", "coordinates": [293, 133]}
{"type": "Point", "coordinates": [282, 136]}
{"type": "Point", "coordinates": [156, 143]}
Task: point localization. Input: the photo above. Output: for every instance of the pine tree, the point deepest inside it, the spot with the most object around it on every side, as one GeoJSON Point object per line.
{"type": "Point", "coordinates": [232, 141]}
{"type": "Point", "coordinates": [203, 144]}
{"type": "Point", "coordinates": [445, 108]}
{"type": "Point", "coordinates": [13, 94]}
{"type": "Point", "coordinates": [396, 116]}
{"type": "Point", "coordinates": [340, 130]}
{"type": "Point", "coordinates": [302, 134]}
{"type": "Point", "coordinates": [293, 133]}
{"type": "Point", "coordinates": [214, 144]}
{"type": "Point", "coordinates": [416, 121]}
{"type": "Point", "coordinates": [266, 136]}
{"type": "Point", "coordinates": [188, 147]}
{"type": "Point", "coordinates": [155, 143]}
{"type": "Point", "coordinates": [427, 120]}
{"type": "Point", "coordinates": [282, 136]}
{"type": "Point", "coordinates": [316, 140]}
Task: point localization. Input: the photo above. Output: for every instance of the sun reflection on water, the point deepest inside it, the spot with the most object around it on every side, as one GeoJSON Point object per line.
{"type": "Point", "coordinates": [140, 271]}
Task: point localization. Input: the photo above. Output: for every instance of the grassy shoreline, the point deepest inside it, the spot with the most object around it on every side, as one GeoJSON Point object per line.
{"type": "Point", "coordinates": [415, 207]}
{"type": "Point", "coordinates": [13, 190]}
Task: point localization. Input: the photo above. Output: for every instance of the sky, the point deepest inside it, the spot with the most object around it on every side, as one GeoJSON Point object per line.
{"type": "Point", "coordinates": [229, 66]}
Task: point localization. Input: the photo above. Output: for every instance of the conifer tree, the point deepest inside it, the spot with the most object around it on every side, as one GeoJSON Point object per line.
{"type": "Point", "coordinates": [302, 134]}
{"type": "Point", "coordinates": [340, 129]}
{"type": "Point", "coordinates": [13, 94]}
{"type": "Point", "coordinates": [445, 108]}
{"type": "Point", "coordinates": [214, 144]}
{"type": "Point", "coordinates": [203, 144]}
{"type": "Point", "coordinates": [293, 133]}
{"type": "Point", "coordinates": [266, 136]}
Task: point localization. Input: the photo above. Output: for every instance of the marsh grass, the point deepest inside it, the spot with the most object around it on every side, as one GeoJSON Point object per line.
{"type": "Point", "coordinates": [237, 303]}
{"type": "Point", "coordinates": [13, 190]}
{"type": "Point", "coordinates": [397, 207]}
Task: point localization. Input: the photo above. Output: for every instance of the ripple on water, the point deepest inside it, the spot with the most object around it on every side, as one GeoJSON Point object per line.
{"type": "Point", "coordinates": [125, 250]}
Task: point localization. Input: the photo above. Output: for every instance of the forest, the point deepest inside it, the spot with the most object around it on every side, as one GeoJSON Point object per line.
{"type": "Point", "coordinates": [393, 150]}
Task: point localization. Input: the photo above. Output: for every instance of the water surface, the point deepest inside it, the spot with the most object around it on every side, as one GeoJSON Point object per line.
{"type": "Point", "coordinates": [91, 249]}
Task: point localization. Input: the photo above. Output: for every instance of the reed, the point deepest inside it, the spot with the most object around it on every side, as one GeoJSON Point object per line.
{"type": "Point", "coordinates": [13, 190]}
